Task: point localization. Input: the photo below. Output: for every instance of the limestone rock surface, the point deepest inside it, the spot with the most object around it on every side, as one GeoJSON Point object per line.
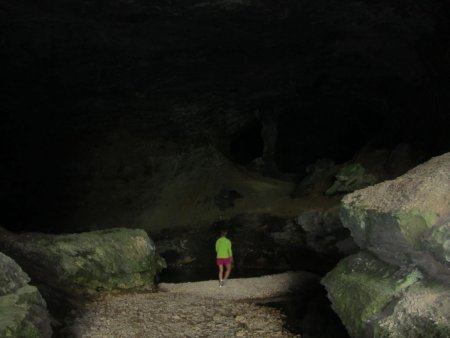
{"type": "Point", "coordinates": [324, 231]}
{"type": "Point", "coordinates": [405, 221]}
{"type": "Point", "coordinates": [399, 285]}
{"type": "Point", "coordinates": [84, 263]}
{"type": "Point", "coordinates": [23, 311]}
{"type": "Point", "coordinates": [375, 299]}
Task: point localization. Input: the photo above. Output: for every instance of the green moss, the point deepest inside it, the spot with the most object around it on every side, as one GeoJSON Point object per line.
{"type": "Point", "coordinates": [350, 178]}
{"type": "Point", "coordinates": [415, 223]}
{"type": "Point", "coordinates": [409, 279]}
{"type": "Point", "coordinates": [9, 311]}
{"type": "Point", "coordinates": [108, 259]}
{"type": "Point", "coordinates": [439, 242]}
{"type": "Point", "coordinates": [28, 330]}
{"type": "Point", "coordinates": [361, 286]}
{"type": "Point", "coordinates": [14, 310]}
{"type": "Point", "coordinates": [100, 260]}
{"type": "Point", "coordinates": [373, 229]}
{"type": "Point", "coordinates": [29, 295]}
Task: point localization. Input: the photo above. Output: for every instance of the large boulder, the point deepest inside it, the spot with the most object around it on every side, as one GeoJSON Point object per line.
{"type": "Point", "coordinates": [319, 177]}
{"type": "Point", "coordinates": [85, 263]}
{"type": "Point", "coordinates": [351, 177]}
{"type": "Point", "coordinates": [399, 286]}
{"type": "Point", "coordinates": [375, 299]}
{"type": "Point", "coordinates": [324, 231]}
{"type": "Point", "coordinates": [23, 311]}
{"type": "Point", "coordinates": [405, 221]}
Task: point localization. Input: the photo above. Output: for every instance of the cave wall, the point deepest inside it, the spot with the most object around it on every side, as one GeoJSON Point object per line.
{"type": "Point", "coordinates": [102, 98]}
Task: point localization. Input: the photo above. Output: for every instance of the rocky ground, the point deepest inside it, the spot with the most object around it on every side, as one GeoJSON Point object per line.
{"type": "Point", "coordinates": [200, 309]}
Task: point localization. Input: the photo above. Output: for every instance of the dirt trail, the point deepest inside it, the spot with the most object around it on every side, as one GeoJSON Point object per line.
{"type": "Point", "coordinates": [199, 309]}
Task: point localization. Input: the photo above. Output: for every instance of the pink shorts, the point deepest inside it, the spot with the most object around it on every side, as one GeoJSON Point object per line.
{"type": "Point", "coordinates": [224, 261]}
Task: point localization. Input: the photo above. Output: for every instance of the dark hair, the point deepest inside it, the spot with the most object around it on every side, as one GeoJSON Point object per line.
{"type": "Point", "coordinates": [223, 232]}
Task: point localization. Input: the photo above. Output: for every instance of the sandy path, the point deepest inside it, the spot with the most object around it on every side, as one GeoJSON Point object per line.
{"type": "Point", "coordinates": [199, 309]}
{"type": "Point", "coordinates": [244, 288]}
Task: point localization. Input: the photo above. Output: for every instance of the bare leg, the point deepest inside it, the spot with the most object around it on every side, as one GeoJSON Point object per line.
{"type": "Point", "coordinates": [228, 270]}
{"type": "Point", "coordinates": [220, 273]}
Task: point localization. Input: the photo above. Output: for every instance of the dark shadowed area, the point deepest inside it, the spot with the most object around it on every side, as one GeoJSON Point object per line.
{"type": "Point", "coordinates": [182, 117]}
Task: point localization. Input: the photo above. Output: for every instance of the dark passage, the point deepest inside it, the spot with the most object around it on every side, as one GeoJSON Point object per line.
{"type": "Point", "coordinates": [247, 144]}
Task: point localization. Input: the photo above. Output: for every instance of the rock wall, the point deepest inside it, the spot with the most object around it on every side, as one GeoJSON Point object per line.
{"type": "Point", "coordinates": [123, 179]}
{"type": "Point", "coordinates": [399, 285]}
{"type": "Point", "coordinates": [23, 311]}
{"type": "Point", "coordinates": [405, 221]}
{"type": "Point", "coordinates": [375, 299]}
{"type": "Point", "coordinates": [312, 79]}
{"type": "Point", "coordinates": [84, 264]}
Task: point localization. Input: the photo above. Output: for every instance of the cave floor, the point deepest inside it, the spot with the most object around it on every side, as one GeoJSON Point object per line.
{"type": "Point", "coordinates": [199, 309]}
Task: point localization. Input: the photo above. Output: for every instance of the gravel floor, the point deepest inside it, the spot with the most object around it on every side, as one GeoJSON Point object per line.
{"type": "Point", "coordinates": [244, 288]}
{"type": "Point", "coordinates": [199, 309]}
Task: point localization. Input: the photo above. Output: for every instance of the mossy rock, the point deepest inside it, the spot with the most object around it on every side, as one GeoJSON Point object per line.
{"type": "Point", "coordinates": [350, 178]}
{"type": "Point", "coordinates": [361, 287]}
{"type": "Point", "coordinates": [23, 311]}
{"type": "Point", "coordinates": [423, 311]}
{"type": "Point", "coordinates": [403, 221]}
{"type": "Point", "coordinates": [392, 237]}
{"type": "Point", "coordinates": [85, 263]}
{"type": "Point", "coordinates": [438, 242]}
{"type": "Point", "coordinates": [12, 276]}
{"type": "Point", "coordinates": [376, 300]}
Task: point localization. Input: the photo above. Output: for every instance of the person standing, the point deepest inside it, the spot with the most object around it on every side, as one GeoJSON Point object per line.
{"type": "Point", "coordinates": [224, 256]}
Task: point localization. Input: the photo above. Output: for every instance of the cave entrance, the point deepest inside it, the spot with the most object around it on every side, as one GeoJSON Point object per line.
{"type": "Point", "coordinates": [329, 130]}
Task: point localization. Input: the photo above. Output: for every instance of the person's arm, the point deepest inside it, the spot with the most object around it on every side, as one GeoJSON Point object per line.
{"type": "Point", "coordinates": [230, 252]}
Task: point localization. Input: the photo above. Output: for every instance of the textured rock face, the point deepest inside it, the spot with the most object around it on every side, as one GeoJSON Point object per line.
{"type": "Point", "coordinates": [319, 177]}
{"type": "Point", "coordinates": [350, 178]}
{"type": "Point", "coordinates": [23, 311]}
{"type": "Point", "coordinates": [114, 186]}
{"type": "Point", "coordinates": [12, 276]}
{"type": "Point", "coordinates": [399, 286]}
{"type": "Point", "coordinates": [318, 79]}
{"type": "Point", "coordinates": [405, 221]}
{"type": "Point", "coordinates": [325, 233]}
{"type": "Point", "coordinates": [375, 299]}
{"type": "Point", "coordinates": [85, 263]}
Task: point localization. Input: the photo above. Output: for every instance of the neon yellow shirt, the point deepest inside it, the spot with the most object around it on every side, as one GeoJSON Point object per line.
{"type": "Point", "coordinates": [223, 248]}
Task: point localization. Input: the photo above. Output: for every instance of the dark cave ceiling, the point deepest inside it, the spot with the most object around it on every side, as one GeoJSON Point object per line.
{"type": "Point", "coordinates": [104, 103]}
{"type": "Point", "coordinates": [331, 75]}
